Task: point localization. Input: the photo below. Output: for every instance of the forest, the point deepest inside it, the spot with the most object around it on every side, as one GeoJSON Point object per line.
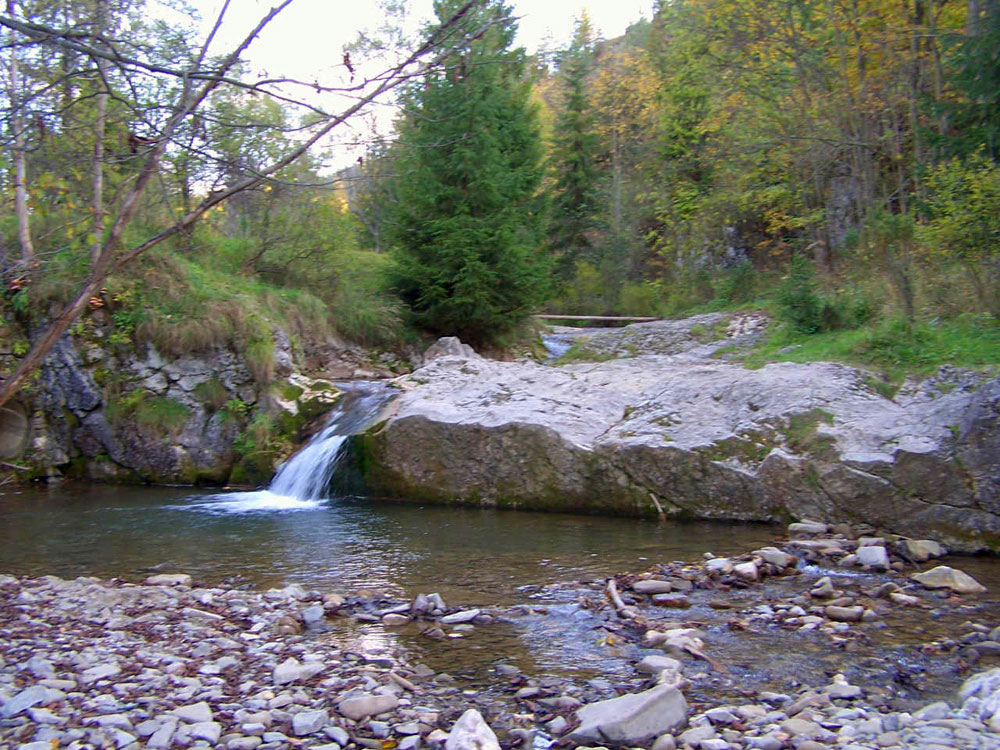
{"type": "Point", "coordinates": [832, 163]}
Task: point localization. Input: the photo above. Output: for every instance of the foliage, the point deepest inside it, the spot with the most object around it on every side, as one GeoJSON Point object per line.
{"type": "Point", "coordinates": [467, 221]}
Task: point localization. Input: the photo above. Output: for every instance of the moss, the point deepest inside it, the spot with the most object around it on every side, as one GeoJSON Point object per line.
{"type": "Point", "coordinates": [747, 450]}
{"type": "Point", "coordinates": [212, 393]}
{"type": "Point", "coordinates": [288, 390]}
{"type": "Point", "coordinates": [156, 414]}
{"type": "Point", "coordinates": [802, 434]}
{"type": "Point", "coordinates": [883, 386]}
{"type": "Point", "coordinates": [580, 353]}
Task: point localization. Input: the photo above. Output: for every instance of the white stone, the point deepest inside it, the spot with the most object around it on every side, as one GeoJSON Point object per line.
{"type": "Point", "coordinates": [195, 713]}
{"type": "Point", "coordinates": [873, 556]}
{"type": "Point", "coordinates": [943, 577]}
{"type": "Point", "coordinates": [309, 722]}
{"type": "Point", "coordinates": [360, 706]}
{"type": "Point", "coordinates": [466, 615]}
{"type": "Point", "coordinates": [209, 731]}
{"type": "Point", "coordinates": [291, 670]}
{"type": "Point", "coordinates": [471, 732]}
{"type": "Point", "coordinates": [169, 579]}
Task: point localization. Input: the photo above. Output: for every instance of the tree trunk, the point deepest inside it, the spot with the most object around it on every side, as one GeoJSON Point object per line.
{"type": "Point", "coordinates": [16, 124]}
{"type": "Point", "coordinates": [98, 165]}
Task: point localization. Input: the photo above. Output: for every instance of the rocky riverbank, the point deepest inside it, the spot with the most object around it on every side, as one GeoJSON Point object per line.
{"type": "Point", "coordinates": [171, 664]}
{"type": "Point", "coordinates": [663, 424]}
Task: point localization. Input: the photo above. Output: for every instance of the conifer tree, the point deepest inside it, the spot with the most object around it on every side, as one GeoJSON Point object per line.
{"type": "Point", "coordinates": [576, 143]}
{"type": "Point", "coordinates": [467, 221]}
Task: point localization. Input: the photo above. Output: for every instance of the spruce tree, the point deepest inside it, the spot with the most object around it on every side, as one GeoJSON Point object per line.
{"type": "Point", "coordinates": [575, 144]}
{"type": "Point", "coordinates": [467, 221]}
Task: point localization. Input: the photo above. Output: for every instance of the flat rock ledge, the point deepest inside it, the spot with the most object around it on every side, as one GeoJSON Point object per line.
{"type": "Point", "coordinates": [686, 434]}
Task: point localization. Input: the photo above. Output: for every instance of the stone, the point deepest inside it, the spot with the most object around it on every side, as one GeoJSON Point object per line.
{"type": "Point", "coordinates": [776, 557]}
{"type": "Point", "coordinates": [719, 565]}
{"type": "Point", "coordinates": [933, 712]}
{"type": "Point", "coordinates": [244, 743]}
{"type": "Point", "coordinates": [675, 601]}
{"type": "Point", "coordinates": [921, 550]}
{"type": "Point", "coordinates": [654, 664]}
{"type": "Point", "coordinates": [665, 742]}
{"type": "Point", "coordinates": [314, 615]}
{"type": "Point", "coordinates": [449, 346]}
{"type": "Point", "coordinates": [747, 571]}
{"type": "Point", "coordinates": [394, 621]}
{"type": "Point", "coordinates": [808, 528]}
{"type": "Point", "coordinates": [873, 556]}
{"type": "Point", "coordinates": [195, 713]}
{"type": "Point", "coordinates": [465, 615]}
{"type": "Point", "coordinates": [309, 722]}
{"type": "Point", "coordinates": [844, 614]}
{"type": "Point", "coordinates": [471, 732]}
{"type": "Point", "coordinates": [210, 731]}
{"type": "Point", "coordinates": [943, 577]}
{"type": "Point", "coordinates": [24, 700]}
{"type": "Point", "coordinates": [652, 586]}
{"type": "Point", "coordinates": [291, 670]}
{"type": "Point", "coordinates": [361, 706]}
{"type": "Point", "coordinates": [169, 579]}
{"type": "Point", "coordinates": [100, 672]}
{"type": "Point", "coordinates": [633, 718]}
{"type": "Point", "coordinates": [823, 589]}
{"type": "Point", "coordinates": [162, 737]}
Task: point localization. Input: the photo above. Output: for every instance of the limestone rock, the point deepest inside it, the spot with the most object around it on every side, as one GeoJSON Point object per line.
{"type": "Point", "coordinates": [921, 550]}
{"type": "Point", "coordinates": [471, 732]}
{"type": "Point", "coordinates": [873, 557]}
{"type": "Point", "coordinates": [291, 670]}
{"type": "Point", "coordinates": [632, 719]}
{"type": "Point", "coordinates": [359, 706]}
{"type": "Point", "coordinates": [943, 577]}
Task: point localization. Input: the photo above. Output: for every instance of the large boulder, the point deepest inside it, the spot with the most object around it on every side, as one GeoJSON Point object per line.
{"type": "Point", "coordinates": [696, 437]}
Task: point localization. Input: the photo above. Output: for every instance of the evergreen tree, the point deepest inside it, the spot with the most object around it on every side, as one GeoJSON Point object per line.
{"type": "Point", "coordinates": [467, 224]}
{"type": "Point", "coordinates": [575, 145]}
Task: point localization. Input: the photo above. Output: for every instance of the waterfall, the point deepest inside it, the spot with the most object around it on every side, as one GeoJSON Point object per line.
{"type": "Point", "coordinates": [302, 482]}
{"type": "Point", "coordinates": [307, 474]}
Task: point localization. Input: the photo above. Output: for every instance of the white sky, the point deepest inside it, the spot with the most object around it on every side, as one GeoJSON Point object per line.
{"type": "Point", "coordinates": [305, 37]}
{"type": "Point", "coordinates": [306, 41]}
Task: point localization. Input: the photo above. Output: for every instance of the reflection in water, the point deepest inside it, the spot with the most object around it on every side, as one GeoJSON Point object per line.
{"type": "Point", "coordinates": [473, 556]}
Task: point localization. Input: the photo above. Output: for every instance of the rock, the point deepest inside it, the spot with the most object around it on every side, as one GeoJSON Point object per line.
{"type": "Point", "coordinates": [465, 615]}
{"type": "Point", "coordinates": [100, 672]}
{"type": "Point", "coordinates": [24, 700]}
{"type": "Point", "coordinates": [933, 712]}
{"type": "Point", "coordinates": [314, 615]}
{"type": "Point", "coordinates": [163, 736]}
{"type": "Point", "coordinates": [245, 743]}
{"type": "Point", "coordinates": [808, 528]}
{"type": "Point", "coordinates": [873, 556]}
{"type": "Point", "coordinates": [652, 586]}
{"type": "Point", "coordinates": [719, 565]}
{"type": "Point", "coordinates": [823, 589]}
{"type": "Point", "coordinates": [776, 557]}
{"type": "Point", "coordinates": [309, 722]}
{"type": "Point", "coordinates": [980, 696]}
{"type": "Point", "coordinates": [471, 732]}
{"type": "Point", "coordinates": [676, 601]}
{"type": "Point", "coordinates": [920, 550]}
{"type": "Point", "coordinates": [291, 670]}
{"type": "Point", "coordinates": [169, 579]}
{"type": "Point", "coordinates": [449, 346]}
{"type": "Point", "coordinates": [196, 713]}
{"type": "Point", "coordinates": [360, 706]}
{"type": "Point", "coordinates": [394, 621]}
{"type": "Point", "coordinates": [897, 597]}
{"type": "Point", "coordinates": [632, 719]}
{"type": "Point", "coordinates": [665, 742]}
{"type": "Point", "coordinates": [655, 664]}
{"type": "Point", "coordinates": [747, 571]}
{"type": "Point", "coordinates": [845, 614]}
{"type": "Point", "coordinates": [210, 731]}
{"type": "Point", "coordinates": [943, 577]}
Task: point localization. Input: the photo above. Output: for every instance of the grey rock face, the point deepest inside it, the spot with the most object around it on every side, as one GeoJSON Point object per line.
{"type": "Point", "coordinates": [704, 438]}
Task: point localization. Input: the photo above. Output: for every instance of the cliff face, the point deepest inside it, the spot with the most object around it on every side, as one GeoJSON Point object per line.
{"type": "Point", "coordinates": [698, 437]}
{"type": "Point", "coordinates": [127, 414]}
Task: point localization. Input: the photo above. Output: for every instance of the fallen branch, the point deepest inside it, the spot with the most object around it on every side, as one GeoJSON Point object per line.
{"type": "Point", "coordinates": [623, 610]}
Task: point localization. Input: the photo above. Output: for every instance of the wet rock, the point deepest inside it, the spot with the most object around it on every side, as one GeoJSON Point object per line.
{"type": "Point", "coordinates": [921, 550]}
{"type": "Point", "coordinates": [633, 718]}
{"type": "Point", "coordinates": [394, 621]}
{"type": "Point", "coordinates": [943, 577]}
{"type": "Point", "coordinates": [471, 732]}
{"type": "Point", "coordinates": [314, 615]}
{"type": "Point", "coordinates": [467, 615]}
{"type": "Point", "coordinates": [823, 589]}
{"type": "Point", "coordinates": [675, 601]}
{"type": "Point", "coordinates": [655, 664]}
{"type": "Point", "coordinates": [720, 565]}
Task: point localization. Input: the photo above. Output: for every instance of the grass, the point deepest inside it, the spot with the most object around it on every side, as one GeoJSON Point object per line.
{"type": "Point", "coordinates": [893, 347]}
{"type": "Point", "coordinates": [152, 413]}
{"type": "Point", "coordinates": [802, 433]}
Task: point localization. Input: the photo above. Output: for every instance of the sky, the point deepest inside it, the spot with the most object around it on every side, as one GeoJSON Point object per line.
{"type": "Point", "coordinates": [309, 32]}
{"type": "Point", "coordinates": [306, 40]}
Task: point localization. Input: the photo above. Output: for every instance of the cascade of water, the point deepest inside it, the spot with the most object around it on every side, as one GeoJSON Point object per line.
{"type": "Point", "coordinates": [306, 475]}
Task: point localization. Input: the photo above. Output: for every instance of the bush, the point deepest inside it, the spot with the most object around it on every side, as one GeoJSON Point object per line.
{"type": "Point", "coordinates": [807, 311]}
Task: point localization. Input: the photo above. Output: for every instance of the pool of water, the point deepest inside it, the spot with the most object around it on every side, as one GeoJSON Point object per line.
{"type": "Point", "coordinates": [473, 557]}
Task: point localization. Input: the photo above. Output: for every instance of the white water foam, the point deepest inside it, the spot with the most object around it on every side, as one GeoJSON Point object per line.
{"type": "Point", "coordinates": [260, 501]}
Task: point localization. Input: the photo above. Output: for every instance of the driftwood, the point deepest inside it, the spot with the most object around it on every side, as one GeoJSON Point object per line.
{"type": "Point", "coordinates": [624, 611]}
